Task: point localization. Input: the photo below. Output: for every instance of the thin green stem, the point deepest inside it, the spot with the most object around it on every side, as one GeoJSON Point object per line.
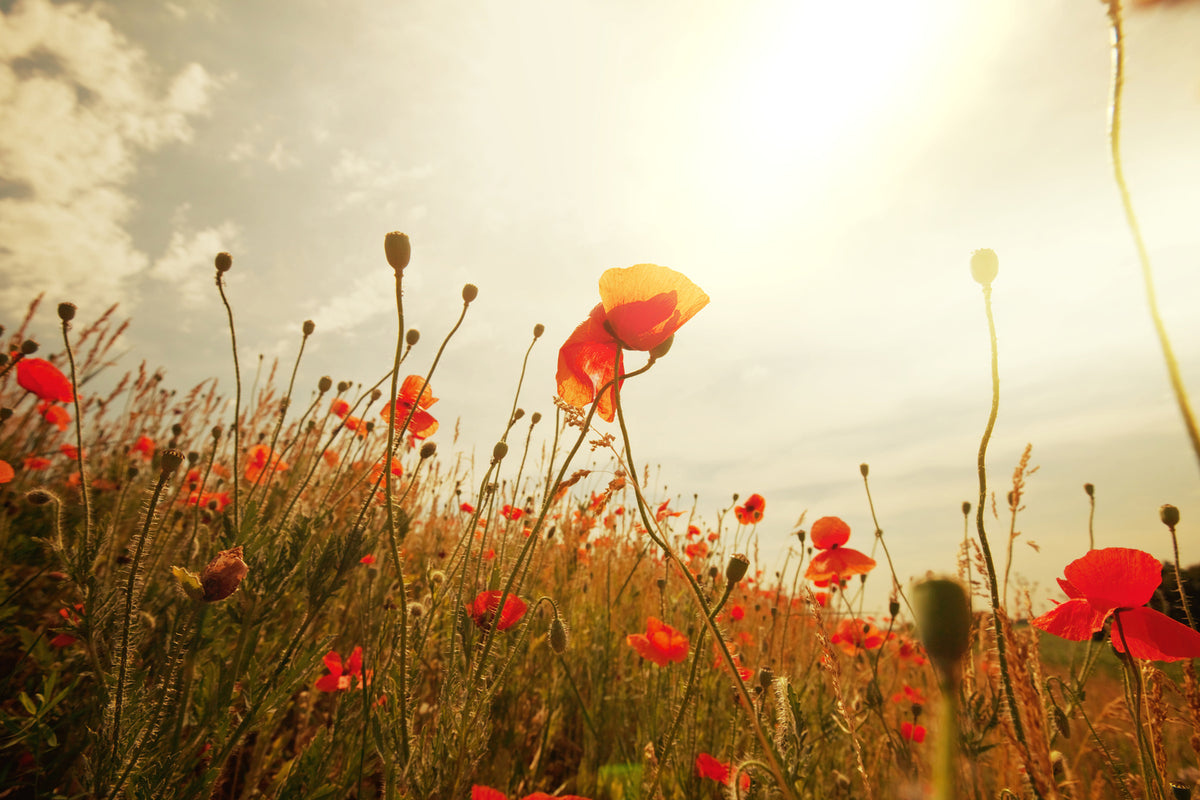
{"type": "Point", "coordinates": [237, 405]}
{"type": "Point", "coordinates": [84, 490]}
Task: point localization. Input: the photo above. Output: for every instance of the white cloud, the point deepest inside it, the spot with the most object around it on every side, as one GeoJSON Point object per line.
{"type": "Point", "coordinates": [78, 101]}
{"type": "Point", "coordinates": [369, 296]}
{"type": "Point", "coordinates": [187, 261]}
{"type": "Point", "coordinates": [250, 148]}
{"type": "Point", "coordinates": [369, 181]}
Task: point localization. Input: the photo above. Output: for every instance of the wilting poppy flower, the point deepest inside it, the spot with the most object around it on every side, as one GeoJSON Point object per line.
{"type": "Point", "coordinates": [45, 380]}
{"type": "Point", "coordinates": [144, 446]}
{"type": "Point", "coordinates": [339, 407]}
{"type": "Point", "coordinates": [828, 534]}
{"type": "Point", "coordinates": [483, 610]}
{"type": "Point", "coordinates": [35, 462]}
{"type": "Point", "coordinates": [708, 766]}
{"type": "Point", "coordinates": [55, 415]}
{"type": "Point", "coordinates": [340, 674]}
{"type": "Point", "coordinates": [660, 643]}
{"type": "Point", "coordinates": [511, 512]}
{"type": "Point", "coordinates": [6, 472]}
{"type": "Point", "coordinates": [423, 424]}
{"type": "Point", "coordinates": [916, 733]}
{"type": "Point", "coordinates": [1118, 582]}
{"type": "Point", "coordinates": [262, 459]}
{"type": "Point", "coordinates": [752, 511]}
{"type": "Point", "coordinates": [640, 308]}
{"type": "Point", "coordinates": [856, 635]}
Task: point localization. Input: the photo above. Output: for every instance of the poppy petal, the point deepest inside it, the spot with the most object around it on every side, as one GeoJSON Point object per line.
{"type": "Point", "coordinates": [1075, 619]}
{"type": "Point", "coordinates": [333, 662]}
{"type": "Point", "coordinates": [828, 532]}
{"type": "Point", "coordinates": [585, 363]}
{"type": "Point", "coordinates": [1153, 636]}
{"type": "Point", "coordinates": [645, 304]}
{"type": "Point", "coordinates": [1095, 577]}
{"type": "Point", "coordinates": [408, 392]}
{"type": "Point", "coordinates": [354, 663]}
{"type": "Point", "coordinates": [328, 683]}
{"type": "Point", "coordinates": [45, 380]}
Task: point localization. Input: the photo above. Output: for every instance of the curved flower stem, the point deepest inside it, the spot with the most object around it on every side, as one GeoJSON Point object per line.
{"type": "Point", "coordinates": [1117, 87]}
{"type": "Point", "coordinates": [237, 404]}
{"type": "Point", "coordinates": [83, 483]}
{"type": "Point", "coordinates": [1010, 697]}
{"type": "Point", "coordinates": [283, 407]}
{"type": "Point", "coordinates": [1183, 596]}
{"type": "Point", "coordinates": [1145, 752]}
{"type": "Point", "coordinates": [879, 538]}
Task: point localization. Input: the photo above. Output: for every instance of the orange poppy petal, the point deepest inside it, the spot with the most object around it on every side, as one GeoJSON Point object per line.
{"type": "Point", "coordinates": [829, 532]}
{"type": "Point", "coordinates": [645, 304]}
{"type": "Point", "coordinates": [410, 387]}
{"type": "Point", "coordinates": [1115, 577]}
{"type": "Point", "coordinates": [585, 363]}
{"type": "Point", "coordinates": [1153, 636]}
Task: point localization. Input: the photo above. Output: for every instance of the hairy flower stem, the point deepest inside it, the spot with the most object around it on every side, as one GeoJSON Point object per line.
{"type": "Point", "coordinates": [1133, 675]}
{"type": "Point", "coordinates": [1183, 596]}
{"type": "Point", "coordinates": [85, 492]}
{"type": "Point", "coordinates": [1117, 88]}
{"type": "Point", "coordinates": [997, 622]}
{"type": "Point", "coordinates": [283, 407]}
{"type": "Point", "coordinates": [127, 617]}
{"type": "Point", "coordinates": [237, 405]}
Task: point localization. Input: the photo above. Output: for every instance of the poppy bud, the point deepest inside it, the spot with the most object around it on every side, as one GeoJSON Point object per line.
{"type": "Point", "coordinates": [737, 568]}
{"type": "Point", "coordinates": [985, 265]}
{"type": "Point", "coordinates": [223, 262]}
{"type": "Point", "coordinates": [325, 384]}
{"type": "Point", "coordinates": [1061, 722]}
{"type": "Point", "coordinates": [893, 607]}
{"type": "Point", "coordinates": [308, 327]}
{"type": "Point", "coordinates": [943, 617]}
{"type": "Point", "coordinates": [375, 395]}
{"type": "Point", "coordinates": [663, 348]}
{"type": "Point", "coordinates": [538, 330]}
{"type": "Point", "coordinates": [536, 418]}
{"type": "Point", "coordinates": [966, 508]}
{"type": "Point", "coordinates": [766, 676]}
{"type": "Point", "coordinates": [66, 311]}
{"type": "Point", "coordinates": [1089, 489]}
{"type": "Point", "coordinates": [428, 449]}
{"type": "Point", "coordinates": [470, 292]}
{"type": "Point", "coordinates": [1169, 515]}
{"type": "Point", "coordinates": [29, 347]}
{"type": "Point", "coordinates": [38, 497]}
{"type": "Point", "coordinates": [864, 469]}
{"type": "Point", "coordinates": [223, 574]}
{"type": "Point", "coordinates": [343, 386]}
{"type": "Point", "coordinates": [416, 610]}
{"type": "Point", "coordinates": [499, 451]}
{"type": "Point", "coordinates": [800, 534]}
{"type": "Point", "coordinates": [171, 461]}
{"type": "Point", "coordinates": [398, 250]}
{"type": "Point", "coordinates": [558, 636]}
{"type": "Point", "coordinates": [193, 457]}
{"type": "Point", "coordinates": [520, 412]}
{"type": "Point", "coordinates": [216, 432]}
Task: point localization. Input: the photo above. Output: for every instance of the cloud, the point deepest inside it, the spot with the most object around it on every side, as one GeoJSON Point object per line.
{"type": "Point", "coordinates": [250, 148]}
{"type": "Point", "coordinates": [187, 262]}
{"type": "Point", "coordinates": [369, 181]}
{"type": "Point", "coordinates": [78, 104]}
{"type": "Point", "coordinates": [368, 297]}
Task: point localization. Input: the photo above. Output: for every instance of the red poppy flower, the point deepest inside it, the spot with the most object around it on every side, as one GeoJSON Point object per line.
{"type": "Point", "coordinates": [368, 559]}
{"type": "Point", "coordinates": [511, 513]}
{"type": "Point", "coordinates": [215, 500]}
{"type": "Point", "coordinates": [737, 613]}
{"type": "Point", "coordinates": [340, 674]}
{"type": "Point", "coordinates": [262, 459]}
{"type": "Point", "coordinates": [486, 793]}
{"type": "Point", "coordinates": [73, 619]}
{"type": "Point", "coordinates": [1118, 582]}
{"type": "Point", "coordinates": [752, 511]}
{"type": "Point", "coordinates": [640, 308]}
{"type": "Point", "coordinates": [660, 643]}
{"type": "Point", "coordinates": [909, 695]}
{"type": "Point", "coordinates": [55, 415]}
{"type": "Point", "coordinates": [856, 635]}
{"type": "Point", "coordinates": [69, 450]}
{"type": "Point", "coordinates": [916, 733]}
{"type": "Point", "coordinates": [339, 407]}
{"type": "Point", "coordinates": [828, 534]}
{"type": "Point", "coordinates": [423, 424]}
{"type": "Point", "coordinates": [377, 469]}
{"type": "Point", "coordinates": [35, 462]}
{"type": "Point", "coordinates": [45, 380]}
{"type": "Point", "coordinates": [663, 512]}
{"type": "Point", "coordinates": [6, 472]}
{"type": "Point", "coordinates": [331, 457]}
{"type": "Point", "coordinates": [716, 770]}
{"type": "Point", "coordinates": [696, 550]}
{"type": "Point", "coordinates": [483, 610]}
{"type": "Point", "coordinates": [144, 446]}
{"type": "Point", "coordinates": [467, 508]}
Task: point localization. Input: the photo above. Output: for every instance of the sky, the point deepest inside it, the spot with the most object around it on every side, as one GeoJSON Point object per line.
{"type": "Point", "coordinates": [822, 170]}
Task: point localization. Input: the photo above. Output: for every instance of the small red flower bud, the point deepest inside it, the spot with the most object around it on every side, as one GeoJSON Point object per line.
{"type": "Point", "coordinates": [223, 574]}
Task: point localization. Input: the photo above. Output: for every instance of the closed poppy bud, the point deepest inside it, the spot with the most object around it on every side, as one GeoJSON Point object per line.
{"type": "Point", "coordinates": [428, 449]}
{"type": "Point", "coordinates": [536, 418]}
{"type": "Point", "coordinates": [893, 607]}
{"type": "Point", "coordinates": [664, 348]}
{"type": "Point", "coordinates": [216, 432]}
{"type": "Point", "coordinates": [864, 469]}
{"type": "Point", "coordinates": [966, 507]}
{"type": "Point", "coordinates": [1169, 515]}
{"type": "Point", "coordinates": [375, 395]}
{"type": "Point", "coordinates": [398, 249]}
{"type": "Point", "coordinates": [766, 676]}
{"type": "Point", "coordinates": [223, 574]}
{"type": "Point", "coordinates": [223, 262]}
{"type": "Point", "coordinates": [538, 330]}
{"type": "Point", "coordinates": [801, 535]}
{"type": "Point", "coordinates": [985, 265]}
{"type": "Point", "coordinates": [737, 568]}
{"type": "Point", "coordinates": [29, 347]}
{"type": "Point", "coordinates": [171, 461]}
{"type": "Point", "coordinates": [520, 412]}
{"type": "Point", "coordinates": [558, 636]}
{"type": "Point", "coordinates": [308, 327]}
{"type": "Point", "coordinates": [1061, 722]}
{"type": "Point", "coordinates": [325, 384]}
{"type": "Point", "coordinates": [66, 311]}
{"type": "Point", "coordinates": [470, 292]}
{"type": "Point", "coordinates": [1089, 489]}
{"type": "Point", "coordinates": [412, 336]}
{"type": "Point", "coordinates": [499, 451]}
{"type": "Point", "coordinates": [193, 457]}
{"type": "Point", "coordinates": [38, 497]}
{"type": "Point", "coordinates": [943, 617]}
{"type": "Point", "coordinates": [343, 386]}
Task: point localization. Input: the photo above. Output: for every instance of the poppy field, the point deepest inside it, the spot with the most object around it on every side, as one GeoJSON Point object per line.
{"type": "Point", "coordinates": [320, 602]}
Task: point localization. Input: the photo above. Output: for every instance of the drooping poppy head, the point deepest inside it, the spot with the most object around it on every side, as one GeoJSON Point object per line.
{"type": "Point", "coordinates": [645, 304]}
{"type": "Point", "coordinates": [912, 732]}
{"type": "Point", "coordinates": [412, 398]}
{"type": "Point", "coordinates": [45, 380]}
{"type": "Point", "coordinates": [752, 511]}
{"type": "Point", "coordinates": [483, 610]}
{"type": "Point", "coordinates": [660, 643]}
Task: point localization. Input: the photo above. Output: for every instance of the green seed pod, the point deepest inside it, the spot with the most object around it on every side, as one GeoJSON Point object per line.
{"type": "Point", "coordinates": [737, 568]}
{"type": "Point", "coordinates": [558, 635]}
{"type": "Point", "coordinates": [223, 262]}
{"type": "Point", "coordinates": [943, 618]}
{"type": "Point", "coordinates": [66, 311]}
{"type": "Point", "coordinates": [398, 250]}
{"type": "Point", "coordinates": [1169, 515]}
{"type": "Point", "coordinates": [470, 292]}
{"type": "Point", "coordinates": [985, 265]}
